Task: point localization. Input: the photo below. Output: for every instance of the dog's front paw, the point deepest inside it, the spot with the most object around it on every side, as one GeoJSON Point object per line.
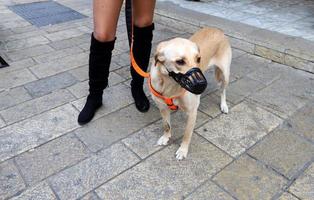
{"type": "Point", "coordinates": [224, 108]}
{"type": "Point", "coordinates": [181, 153]}
{"type": "Point", "coordinates": [163, 140]}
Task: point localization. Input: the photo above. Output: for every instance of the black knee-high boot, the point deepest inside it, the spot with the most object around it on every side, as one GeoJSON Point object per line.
{"type": "Point", "coordinates": [99, 63]}
{"type": "Point", "coordinates": [142, 45]}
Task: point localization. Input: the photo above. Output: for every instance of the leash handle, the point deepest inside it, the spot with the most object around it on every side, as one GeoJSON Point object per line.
{"type": "Point", "coordinates": [135, 66]}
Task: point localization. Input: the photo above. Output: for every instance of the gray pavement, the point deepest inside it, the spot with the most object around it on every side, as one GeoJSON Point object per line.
{"type": "Point", "coordinates": [262, 149]}
{"type": "Point", "coordinates": [290, 17]}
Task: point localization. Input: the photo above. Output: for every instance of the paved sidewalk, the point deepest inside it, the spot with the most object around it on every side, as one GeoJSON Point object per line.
{"type": "Point", "coordinates": [290, 17]}
{"type": "Point", "coordinates": [262, 149]}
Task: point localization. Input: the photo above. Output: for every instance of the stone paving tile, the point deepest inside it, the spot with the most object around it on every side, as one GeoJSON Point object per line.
{"type": "Point", "coordinates": [36, 106]}
{"type": "Point", "coordinates": [210, 104]}
{"type": "Point", "coordinates": [86, 47]}
{"type": "Point", "coordinates": [165, 33]}
{"type": "Point", "coordinates": [242, 45]}
{"type": "Point", "coordinates": [240, 129]}
{"type": "Point", "coordinates": [45, 86]}
{"type": "Point", "coordinates": [37, 130]}
{"type": "Point", "coordinates": [81, 89]}
{"type": "Point", "coordinates": [210, 191]}
{"type": "Point", "coordinates": [72, 42]}
{"type": "Point", "coordinates": [15, 78]}
{"type": "Point", "coordinates": [21, 64]}
{"type": "Point", "coordinates": [287, 196]}
{"type": "Point", "coordinates": [232, 14]}
{"type": "Point", "coordinates": [56, 28]}
{"type": "Point", "coordinates": [143, 142]}
{"type": "Point", "coordinates": [121, 45]}
{"type": "Point", "coordinates": [299, 63]}
{"type": "Point", "coordinates": [114, 98]}
{"type": "Point", "coordinates": [286, 152]}
{"type": "Point", "coordinates": [40, 191]}
{"type": "Point", "coordinates": [124, 72]}
{"type": "Point", "coordinates": [14, 24]}
{"type": "Point", "coordinates": [25, 29]}
{"type": "Point", "coordinates": [2, 123]}
{"type": "Point", "coordinates": [13, 97]}
{"type": "Point", "coordinates": [80, 73]}
{"type": "Point", "coordinates": [240, 89]}
{"type": "Point", "coordinates": [24, 43]}
{"type": "Point", "coordinates": [270, 53]}
{"type": "Point", "coordinates": [302, 122]}
{"type": "Point", "coordinates": [50, 158]}
{"type": "Point", "coordinates": [76, 181]}
{"type": "Point", "coordinates": [10, 180]}
{"type": "Point", "coordinates": [303, 186]}
{"type": "Point", "coordinates": [237, 53]}
{"type": "Point", "coordinates": [64, 34]}
{"type": "Point", "coordinates": [247, 179]}
{"type": "Point", "coordinates": [212, 84]}
{"type": "Point", "coordinates": [268, 74]}
{"type": "Point", "coordinates": [107, 130]}
{"type": "Point", "coordinates": [5, 33]}
{"type": "Point", "coordinates": [91, 196]}
{"type": "Point", "coordinates": [288, 94]}
{"type": "Point", "coordinates": [43, 70]}
{"type": "Point", "coordinates": [22, 34]}
{"type": "Point", "coordinates": [246, 64]}
{"type": "Point", "coordinates": [263, 21]}
{"type": "Point", "coordinates": [121, 59]}
{"type": "Point", "coordinates": [54, 56]}
{"type": "Point", "coordinates": [29, 52]}
{"type": "Point", "coordinates": [161, 176]}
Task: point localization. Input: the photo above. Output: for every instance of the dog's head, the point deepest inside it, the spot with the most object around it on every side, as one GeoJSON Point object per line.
{"type": "Point", "coordinates": [177, 55]}
{"type": "Point", "coordinates": [180, 59]}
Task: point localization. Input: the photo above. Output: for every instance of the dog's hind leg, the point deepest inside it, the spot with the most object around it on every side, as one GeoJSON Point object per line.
{"type": "Point", "coordinates": [222, 73]}
{"type": "Point", "coordinates": [224, 83]}
{"type": "Point", "coordinates": [165, 114]}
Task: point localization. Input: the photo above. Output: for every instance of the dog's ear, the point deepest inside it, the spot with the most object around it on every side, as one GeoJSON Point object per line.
{"type": "Point", "coordinates": [159, 55]}
{"type": "Point", "coordinates": [159, 58]}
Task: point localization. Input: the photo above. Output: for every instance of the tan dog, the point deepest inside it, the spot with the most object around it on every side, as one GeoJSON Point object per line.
{"type": "Point", "coordinates": [207, 47]}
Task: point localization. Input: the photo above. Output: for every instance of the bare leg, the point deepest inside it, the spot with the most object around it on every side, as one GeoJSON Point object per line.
{"type": "Point", "coordinates": [165, 114]}
{"type": "Point", "coordinates": [106, 15]}
{"type": "Point", "coordinates": [184, 147]}
{"type": "Point", "coordinates": [143, 12]}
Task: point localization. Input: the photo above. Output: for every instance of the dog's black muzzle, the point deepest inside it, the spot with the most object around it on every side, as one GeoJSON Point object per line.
{"type": "Point", "coordinates": [193, 80]}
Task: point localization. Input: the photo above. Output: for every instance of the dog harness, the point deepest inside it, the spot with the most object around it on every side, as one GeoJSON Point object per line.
{"type": "Point", "coordinates": [168, 101]}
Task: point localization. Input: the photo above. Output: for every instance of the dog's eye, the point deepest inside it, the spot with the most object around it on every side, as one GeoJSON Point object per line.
{"type": "Point", "coordinates": [180, 62]}
{"type": "Point", "coordinates": [198, 60]}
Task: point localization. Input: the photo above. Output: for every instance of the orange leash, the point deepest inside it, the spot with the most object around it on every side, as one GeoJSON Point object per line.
{"type": "Point", "coordinates": [135, 65]}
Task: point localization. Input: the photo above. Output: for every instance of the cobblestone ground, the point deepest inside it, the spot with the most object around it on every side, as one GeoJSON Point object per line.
{"type": "Point", "coordinates": [263, 149]}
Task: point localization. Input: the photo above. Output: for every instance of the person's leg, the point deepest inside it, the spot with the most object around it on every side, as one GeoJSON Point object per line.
{"type": "Point", "coordinates": [143, 12]}
{"type": "Point", "coordinates": [106, 14]}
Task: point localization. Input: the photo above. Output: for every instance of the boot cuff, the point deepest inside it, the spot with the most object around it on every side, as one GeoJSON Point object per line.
{"type": "Point", "coordinates": [143, 32]}
{"type": "Point", "coordinates": [101, 46]}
